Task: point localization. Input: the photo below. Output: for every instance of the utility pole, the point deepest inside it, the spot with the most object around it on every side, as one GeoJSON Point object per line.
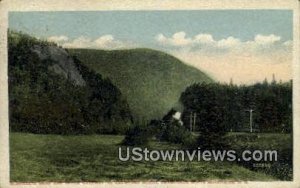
{"type": "Point", "coordinates": [191, 121]}
{"type": "Point", "coordinates": [250, 119]}
{"type": "Point", "coordinates": [195, 116]}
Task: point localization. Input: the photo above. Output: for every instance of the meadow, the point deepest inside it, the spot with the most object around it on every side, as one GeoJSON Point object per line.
{"type": "Point", "coordinates": [94, 158]}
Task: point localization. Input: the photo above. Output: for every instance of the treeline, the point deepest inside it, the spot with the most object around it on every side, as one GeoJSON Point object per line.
{"type": "Point", "coordinates": [213, 110]}
{"type": "Point", "coordinates": [271, 104]}
{"type": "Point", "coordinates": [42, 101]}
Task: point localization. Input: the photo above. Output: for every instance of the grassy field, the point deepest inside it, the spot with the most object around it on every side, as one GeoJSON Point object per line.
{"type": "Point", "coordinates": [260, 140]}
{"type": "Point", "coordinates": [94, 158]}
{"type": "Point", "coordinates": [282, 143]}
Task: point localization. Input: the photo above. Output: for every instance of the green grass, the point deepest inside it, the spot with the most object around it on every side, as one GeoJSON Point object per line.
{"type": "Point", "coordinates": [151, 80]}
{"type": "Point", "coordinates": [260, 141]}
{"type": "Point", "coordinates": [94, 158]}
{"type": "Point", "coordinates": [282, 143]}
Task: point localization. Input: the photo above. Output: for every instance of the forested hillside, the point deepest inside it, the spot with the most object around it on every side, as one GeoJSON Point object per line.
{"type": "Point", "coordinates": [151, 80]}
{"type": "Point", "coordinates": [271, 105]}
{"type": "Point", "coordinates": [51, 92]}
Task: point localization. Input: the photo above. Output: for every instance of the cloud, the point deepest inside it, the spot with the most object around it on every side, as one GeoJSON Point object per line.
{"type": "Point", "coordinates": [204, 38]}
{"type": "Point", "coordinates": [288, 43]}
{"type": "Point", "coordinates": [266, 40]}
{"type": "Point", "coordinates": [102, 42]}
{"type": "Point", "coordinates": [229, 42]}
{"type": "Point", "coordinates": [243, 61]}
{"type": "Point", "coordinates": [177, 39]}
{"type": "Point", "coordinates": [207, 43]}
{"type": "Point", "coordinates": [80, 42]}
{"type": "Point", "coordinates": [108, 41]}
{"type": "Point", "coordinates": [58, 39]}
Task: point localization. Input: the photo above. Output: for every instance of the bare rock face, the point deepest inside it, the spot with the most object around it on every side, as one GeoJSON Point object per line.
{"type": "Point", "coordinates": [64, 62]}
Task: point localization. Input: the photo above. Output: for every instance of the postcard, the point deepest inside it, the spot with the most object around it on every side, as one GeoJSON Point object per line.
{"type": "Point", "coordinates": [149, 93]}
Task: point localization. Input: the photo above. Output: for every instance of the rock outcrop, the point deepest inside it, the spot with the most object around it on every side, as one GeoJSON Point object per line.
{"type": "Point", "coordinates": [64, 64]}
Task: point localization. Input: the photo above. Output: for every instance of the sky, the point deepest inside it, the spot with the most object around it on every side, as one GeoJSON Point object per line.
{"type": "Point", "coordinates": [246, 46]}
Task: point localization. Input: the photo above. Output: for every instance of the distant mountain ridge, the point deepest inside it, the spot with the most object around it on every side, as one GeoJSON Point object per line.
{"type": "Point", "coordinates": [151, 80]}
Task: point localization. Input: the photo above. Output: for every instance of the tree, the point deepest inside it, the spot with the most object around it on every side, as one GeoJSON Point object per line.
{"type": "Point", "coordinates": [202, 99]}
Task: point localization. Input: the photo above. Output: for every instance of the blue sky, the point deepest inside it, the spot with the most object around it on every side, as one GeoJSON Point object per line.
{"type": "Point", "coordinates": [142, 26]}
{"type": "Point", "coordinates": [192, 36]}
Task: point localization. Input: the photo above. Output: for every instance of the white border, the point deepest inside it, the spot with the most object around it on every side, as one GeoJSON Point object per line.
{"type": "Point", "coordinates": [86, 5]}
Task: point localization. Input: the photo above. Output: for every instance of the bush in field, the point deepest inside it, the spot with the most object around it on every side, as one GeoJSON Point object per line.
{"type": "Point", "coordinates": [173, 131]}
{"type": "Point", "coordinates": [155, 128]}
{"type": "Point", "coordinates": [137, 136]}
{"type": "Point", "coordinates": [170, 131]}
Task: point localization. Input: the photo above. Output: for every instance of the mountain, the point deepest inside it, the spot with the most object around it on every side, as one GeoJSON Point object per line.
{"type": "Point", "coordinates": [151, 80]}
{"type": "Point", "coordinates": [51, 92]}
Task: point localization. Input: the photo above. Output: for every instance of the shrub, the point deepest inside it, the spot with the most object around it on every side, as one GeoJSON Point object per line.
{"type": "Point", "coordinates": [137, 136]}
{"type": "Point", "coordinates": [174, 132]}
